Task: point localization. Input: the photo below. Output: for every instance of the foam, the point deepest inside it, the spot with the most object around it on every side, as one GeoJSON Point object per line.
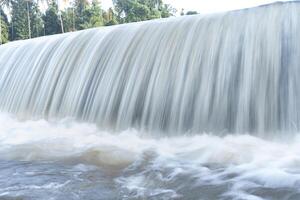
{"type": "Point", "coordinates": [245, 162]}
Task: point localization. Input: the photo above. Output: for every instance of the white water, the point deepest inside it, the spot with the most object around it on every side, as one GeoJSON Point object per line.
{"type": "Point", "coordinates": [230, 72]}
{"type": "Point", "coordinates": [235, 166]}
{"type": "Point", "coordinates": [194, 107]}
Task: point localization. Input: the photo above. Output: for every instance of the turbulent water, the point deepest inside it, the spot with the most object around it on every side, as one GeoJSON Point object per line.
{"type": "Point", "coordinates": [69, 160]}
{"type": "Point", "coordinates": [198, 107]}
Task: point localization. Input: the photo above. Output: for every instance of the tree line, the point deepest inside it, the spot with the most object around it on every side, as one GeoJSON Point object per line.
{"type": "Point", "coordinates": [23, 19]}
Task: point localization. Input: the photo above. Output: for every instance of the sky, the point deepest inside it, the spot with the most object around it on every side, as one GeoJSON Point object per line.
{"type": "Point", "coordinates": [206, 6]}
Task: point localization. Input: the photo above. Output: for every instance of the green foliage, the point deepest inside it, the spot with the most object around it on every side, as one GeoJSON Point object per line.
{"type": "Point", "coordinates": [27, 21]}
{"type": "Point", "coordinates": [109, 17]}
{"type": "Point", "coordinates": [80, 7]}
{"type": "Point", "coordinates": [138, 12]}
{"type": "Point", "coordinates": [51, 20]}
{"type": "Point", "coordinates": [4, 27]}
{"type": "Point", "coordinates": [92, 16]}
{"type": "Point", "coordinates": [96, 18]}
{"type": "Point", "coordinates": [68, 17]}
{"type": "Point", "coordinates": [19, 21]}
{"type": "Point", "coordinates": [22, 27]}
{"type": "Point", "coordinates": [36, 21]}
{"type": "Point", "coordinates": [192, 13]}
{"type": "Point", "coordinates": [167, 11]}
{"type": "Point", "coordinates": [141, 10]}
{"type": "Point", "coordinates": [87, 15]}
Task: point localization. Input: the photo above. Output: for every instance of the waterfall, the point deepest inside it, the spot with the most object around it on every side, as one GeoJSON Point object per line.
{"type": "Point", "coordinates": [234, 72]}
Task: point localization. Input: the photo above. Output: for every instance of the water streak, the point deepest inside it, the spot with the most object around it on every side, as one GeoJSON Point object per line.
{"type": "Point", "coordinates": [229, 72]}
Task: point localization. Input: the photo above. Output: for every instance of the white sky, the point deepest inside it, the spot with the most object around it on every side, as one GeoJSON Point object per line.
{"type": "Point", "coordinates": [206, 6]}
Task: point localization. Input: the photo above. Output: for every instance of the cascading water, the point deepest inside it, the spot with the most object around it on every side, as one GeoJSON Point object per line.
{"type": "Point", "coordinates": [230, 72]}
{"type": "Point", "coordinates": [208, 76]}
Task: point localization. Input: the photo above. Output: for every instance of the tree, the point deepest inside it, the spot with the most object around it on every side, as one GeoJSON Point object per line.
{"type": "Point", "coordinates": [69, 19]}
{"type": "Point", "coordinates": [51, 19]}
{"type": "Point", "coordinates": [92, 16]}
{"type": "Point", "coordinates": [141, 10]}
{"type": "Point", "coordinates": [80, 7]}
{"type": "Point", "coordinates": [20, 21]}
{"type": "Point", "coordinates": [109, 17]}
{"type": "Point", "coordinates": [36, 19]}
{"type": "Point", "coordinates": [26, 19]}
{"type": "Point", "coordinates": [96, 17]}
{"type": "Point", "coordinates": [88, 15]}
{"type": "Point", "coordinates": [167, 11]}
{"type": "Point", "coordinates": [3, 27]}
{"type": "Point", "coordinates": [182, 12]}
{"type": "Point", "coordinates": [192, 13]}
{"type": "Point", "coordinates": [7, 4]}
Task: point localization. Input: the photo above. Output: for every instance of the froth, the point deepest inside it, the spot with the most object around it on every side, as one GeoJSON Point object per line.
{"type": "Point", "coordinates": [245, 162]}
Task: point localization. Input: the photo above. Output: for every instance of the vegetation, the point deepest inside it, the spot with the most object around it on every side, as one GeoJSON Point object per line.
{"type": "Point", "coordinates": [3, 27]}
{"type": "Point", "coordinates": [188, 12]}
{"type": "Point", "coordinates": [141, 10]}
{"type": "Point", "coordinates": [51, 20]}
{"type": "Point", "coordinates": [191, 13]}
{"type": "Point", "coordinates": [26, 20]}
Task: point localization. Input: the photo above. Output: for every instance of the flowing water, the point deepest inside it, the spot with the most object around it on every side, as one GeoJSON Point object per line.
{"type": "Point", "coordinates": [197, 107]}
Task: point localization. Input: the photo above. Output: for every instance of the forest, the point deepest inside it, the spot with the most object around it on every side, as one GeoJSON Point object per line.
{"type": "Point", "coordinates": [25, 19]}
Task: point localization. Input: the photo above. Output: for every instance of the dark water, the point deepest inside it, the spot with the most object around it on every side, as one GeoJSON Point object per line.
{"type": "Point", "coordinates": [54, 180]}
{"type": "Point", "coordinates": [50, 180]}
